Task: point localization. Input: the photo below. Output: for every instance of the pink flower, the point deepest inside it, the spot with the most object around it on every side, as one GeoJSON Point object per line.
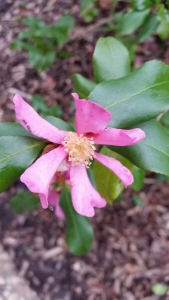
{"type": "Point", "coordinates": [77, 149]}
{"type": "Point", "coordinates": [53, 200]}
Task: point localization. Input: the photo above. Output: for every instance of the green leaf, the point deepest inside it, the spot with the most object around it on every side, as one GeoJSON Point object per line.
{"type": "Point", "coordinates": [137, 200]}
{"type": "Point", "coordinates": [40, 59]}
{"type": "Point", "coordinates": [136, 98]}
{"type": "Point", "coordinates": [160, 289]}
{"type": "Point", "coordinates": [89, 13]}
{"type": "Point", "coordinates": [16, 154]}
{"type": "Point", "coordinates": [152, 153]}
{"type": "Point", "coordinates": [33, 22]}
{"type": "Point", "coordinates": [82, 85]}
{"type": "Point", "coordinates": [53, 110]}
{"type": "Point", "coordinates": [148, 28]}
{"type": "Point", "coordinates": [13, 129]}
{"type": "Point", "coordinates": [141, 4]}
{"type": "Point", "coordinates": [131, 21]}
{"type": "Point", "coordinates": [85, 3]}
{"type": "Point", "coordinates": [59, 123]}
{"type": "Point", "coordinates": [108, 184]}
{"type": "Point", "coordinates": [139, 176]}
{"type": "Point", "coordinates": [38, 103]}
{"type": "Point", "coordinates": [60, 29]}
{"type": "Point", "coordinates": [163, 28]}
{"type": "Point", "coordinates": [165, 121]}
{"type": "Point", "coordinates": [162, 178]}
{"type": "Point", "coordinates": [23, 202]}
{"type": "Point", "coordinates": [20, 45]}
{"type": "Point", "coordinates": [111, 60]}
{"type": "Point", "coordinates": [79, 236]}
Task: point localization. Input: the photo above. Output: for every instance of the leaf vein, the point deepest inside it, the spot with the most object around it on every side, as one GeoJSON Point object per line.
{"type": "Point", "coordinates": [152, 86]}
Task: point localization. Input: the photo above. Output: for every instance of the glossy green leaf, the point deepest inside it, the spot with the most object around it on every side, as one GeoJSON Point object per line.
{"type": "Point", "coordinates": [22, 202]}
{"type": "Point", "coordinates": [16, 154]}
{"type": "Point", "coordinates": [139, 176]}
{"type": "Point", "coordinates": [111, 59]}
{"type": "Point", "coordinates": [82, 85]}
{"type": "Point", "coordinates": [13, 129]}
{"type": "Point", "coordinates": [160, 289]}
{"type": "Point", "coordinates": [59, 123]}
{"type": "Point", "coordinates": [108, 184]}
{"type": "Point", "coordinates": [131, 21]}
{"type": "Point", "coordinates": [148, 28]}
{"type": "Point", "coordinates": [141, 4]}
{"type": "Point", "coordinates": [136, 98]}
{"type": "Point", "coordinates": [152, 153]}
{"type": "Point", "coordinates": [79, 236]}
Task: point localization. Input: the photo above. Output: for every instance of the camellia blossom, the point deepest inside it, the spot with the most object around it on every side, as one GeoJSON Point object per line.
{"type": "Point", "coordinates": [78, 149]}
{"type": "Point", "coordinates": [53, 200]}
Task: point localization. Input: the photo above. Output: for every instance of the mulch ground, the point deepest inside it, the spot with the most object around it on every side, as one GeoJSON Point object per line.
{"type": "Point", "coordinates": [131, 248]}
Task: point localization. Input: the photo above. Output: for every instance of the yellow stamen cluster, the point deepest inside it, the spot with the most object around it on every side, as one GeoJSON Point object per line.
{"type": "Point", "coordinates": [80, 149]}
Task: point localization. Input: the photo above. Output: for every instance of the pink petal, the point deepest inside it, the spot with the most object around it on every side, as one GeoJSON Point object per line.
{"type": "Point", "coordinates": [116, 167]}
{"type": "Point", "coordinates": [39, 176]}
{"type": "Point", "coordinates": [53, 200]}
{"type": "Point", "coordinates": [119, 137]}
{"type": "Point", "coordinates": [32, 122]}
{"type": "Point", "coordinates": [90, 117]}
{"type": "Point", "coordinates": [84, 196]}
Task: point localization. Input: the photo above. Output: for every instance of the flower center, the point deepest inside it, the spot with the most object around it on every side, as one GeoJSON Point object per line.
{"type": "Point", "coordinates": [80, 149]}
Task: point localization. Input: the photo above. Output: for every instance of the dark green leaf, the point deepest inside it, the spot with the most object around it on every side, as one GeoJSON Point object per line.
{"type": "Point", "coordinates": [131, 21]}
{"type": "Point", "coordinates": [38, 103]}
{"type": "Point", "coordinates": [16, 154]}
{"type": "Point", "coordinates": [82, 85]}
{"type": "Point", "coordinates": [137, 200]}
{"type": "Point", "coordinates": [79, 235]}
{"type": "Point", "coordinates": [60, 29]}
{"type": "Point", "coordinates": [23, 202]}
{"type": "Point", "coordinates": [13, 129]}
{"type": "Point", "coordinates": [162, 178]}
{"type": "Point", "coordinates": [148, 28]}
{"type": "Point", "coordinates": [163, 28]}
{"type": "Point", "coordinates": [141, 4]}
{"type": "Point", "coordinates": [91, 177]}
{"type": "Point", "coordinates": [41, 60]}
{"type": "Point", "coordinates": [139, 176]}
{"type": "Point", "coordinates": [89, 13]}
{"type": "Point", "coordinates": [85, 3]}
{"type": "Point", "coordinates": [111, 60]}
{"type": "Point", "coordinates": [136, 98]}
{"type": "Point", "coordinates": [53, 110]}
{"type": "Point", "coordinates": [20, 45]}
{"type": "Point", "coordinates": [59, 123]}
{"type": "Point", "coordinates": [108, 184]}
{"type": "Point", "coordinates": [152, 153]}
{"type": "Point", "coordinates": [33, 22]}
{"type": "Point", "coordinates": [165, 119]}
